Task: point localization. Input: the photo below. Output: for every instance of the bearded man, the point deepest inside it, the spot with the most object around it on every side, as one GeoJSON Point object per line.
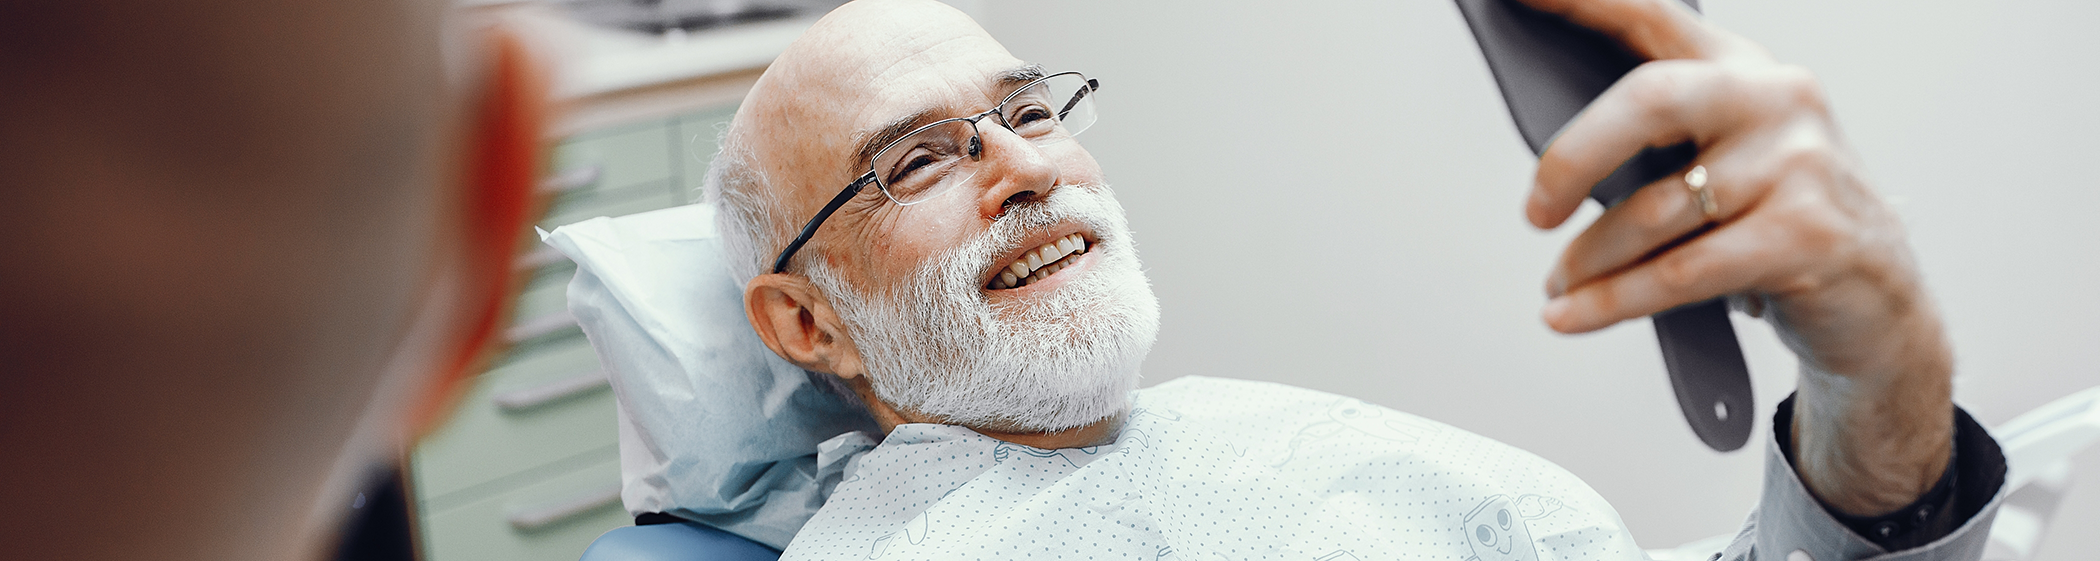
{"type": "Point", "coordinates": [915, 221]}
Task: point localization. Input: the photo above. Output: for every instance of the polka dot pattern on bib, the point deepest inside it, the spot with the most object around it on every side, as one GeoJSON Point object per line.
{"type": "Point", "coordinates": [1211, 468]}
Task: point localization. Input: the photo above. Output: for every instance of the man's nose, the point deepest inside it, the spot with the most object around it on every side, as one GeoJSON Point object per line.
{"type": "Point", "coordinates": [1014, 171]}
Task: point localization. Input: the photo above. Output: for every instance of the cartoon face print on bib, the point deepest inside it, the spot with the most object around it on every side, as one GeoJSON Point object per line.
{"type": "Point", "coordinates": [1496, 528]}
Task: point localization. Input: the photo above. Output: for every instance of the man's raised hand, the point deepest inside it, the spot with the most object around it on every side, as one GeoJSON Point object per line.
{"type": "Point", "coordinates": [1795, 227]}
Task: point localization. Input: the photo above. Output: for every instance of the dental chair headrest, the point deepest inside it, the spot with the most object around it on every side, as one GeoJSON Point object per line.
{"type": "Point", "coordinates": [714, 427]}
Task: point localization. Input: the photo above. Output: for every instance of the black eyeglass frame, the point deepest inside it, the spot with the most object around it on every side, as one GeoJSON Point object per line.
{"type": "Point", "coordinates": [976, 151]}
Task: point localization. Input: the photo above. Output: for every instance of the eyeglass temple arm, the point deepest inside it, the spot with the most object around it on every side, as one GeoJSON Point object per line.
{"type": "Point", "coordinates": [1091, 85]}
{"type": "Point", "coordinates": [810, 229]}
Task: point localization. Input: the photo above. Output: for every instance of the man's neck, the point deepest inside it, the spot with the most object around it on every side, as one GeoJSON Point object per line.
{"type": "Point", "coordinates": [1096, 434]}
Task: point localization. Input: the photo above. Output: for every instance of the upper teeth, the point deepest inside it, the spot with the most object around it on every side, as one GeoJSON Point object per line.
{"type": "Point", "coordinates": [1042, 262]}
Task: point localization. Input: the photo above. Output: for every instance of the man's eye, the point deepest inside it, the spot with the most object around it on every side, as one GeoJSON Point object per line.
{"type": "Point", "coordinates": [905, 169]}
{"type": "Point", "coordinates": [1032, 115]}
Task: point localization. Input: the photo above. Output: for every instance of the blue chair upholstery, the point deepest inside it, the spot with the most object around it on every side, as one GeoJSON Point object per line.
{"type": "Point", "coordinates": [682, 541]}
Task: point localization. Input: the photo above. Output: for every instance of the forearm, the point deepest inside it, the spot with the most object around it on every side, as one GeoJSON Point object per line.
{"type": "Point", "coordinates": [1867, 443]}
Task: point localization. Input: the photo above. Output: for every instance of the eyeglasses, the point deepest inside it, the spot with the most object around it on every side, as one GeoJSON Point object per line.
{"type": "Point", "coordinates": [934, 158]}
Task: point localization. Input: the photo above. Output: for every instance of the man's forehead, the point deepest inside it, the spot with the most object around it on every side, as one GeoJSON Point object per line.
{"type": "Point", "coordinates": [864, 68]}
{"type": "Point", "coordinates": [945, 78]}
{"type": "Point", "coordinates": [873, 41]}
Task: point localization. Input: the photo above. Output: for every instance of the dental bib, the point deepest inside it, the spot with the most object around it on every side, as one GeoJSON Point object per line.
{"type": "Point", "coordinates": [1208, 468]}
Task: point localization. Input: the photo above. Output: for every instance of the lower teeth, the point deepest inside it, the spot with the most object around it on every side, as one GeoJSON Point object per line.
{"type": "Point", "coordinates": [1047, 270]}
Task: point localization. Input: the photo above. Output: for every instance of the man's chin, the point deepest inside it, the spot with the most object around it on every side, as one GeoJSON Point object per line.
{"type": "Point", "coordinates": [1023, 402]}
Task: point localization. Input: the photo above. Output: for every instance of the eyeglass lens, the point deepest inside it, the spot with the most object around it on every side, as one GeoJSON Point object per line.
{"type": "Point", "coordinates": [919, 166]}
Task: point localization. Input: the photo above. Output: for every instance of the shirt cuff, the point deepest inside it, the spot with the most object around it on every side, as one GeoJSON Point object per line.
{"type": "Point", "coordinates": [1791, 522]}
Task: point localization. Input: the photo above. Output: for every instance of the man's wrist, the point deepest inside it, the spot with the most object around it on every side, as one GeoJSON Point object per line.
{"type": "Point", "coordinates": [1972, 479]}
{"type": "Point", "coordinates": [1868, 445]}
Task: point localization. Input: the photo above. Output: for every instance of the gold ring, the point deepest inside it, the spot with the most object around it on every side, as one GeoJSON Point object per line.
{"type": "Point", "coordinates": [1696, 179]}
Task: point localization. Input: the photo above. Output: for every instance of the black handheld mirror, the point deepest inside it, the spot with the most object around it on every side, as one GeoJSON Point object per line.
{"type": "Point", "coordinates": [1549, 70]}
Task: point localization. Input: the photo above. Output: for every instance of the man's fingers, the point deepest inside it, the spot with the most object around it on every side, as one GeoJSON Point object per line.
{"type": "Point", "coordinates": [1727, 260]}
{"type": "Point", "coordinates": [1656, 215]}
{"type": "Point", "coordinates": [1654, 29]}
{"type": "Point", "coordinates": [1662, 104]}
{"type": "Point", "coordinates": [1658, 104]}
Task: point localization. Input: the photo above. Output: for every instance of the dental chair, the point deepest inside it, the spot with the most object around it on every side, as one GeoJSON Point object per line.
{"type": "Point", "coordinates": [654, 297]}
{"type": "Point", "coordinates": [675, 541]}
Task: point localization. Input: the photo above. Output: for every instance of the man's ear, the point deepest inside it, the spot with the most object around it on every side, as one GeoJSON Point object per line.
{"type": "Point", "coordinates": [795, 320]}
{"type": "Point", "coordinates": [494, 203]}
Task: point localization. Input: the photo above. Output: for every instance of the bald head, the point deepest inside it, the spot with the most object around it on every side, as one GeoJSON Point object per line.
{"type": "Point", "coordinates": [867, 68]}
{"type": "Point", "coordinates": [839, 72]}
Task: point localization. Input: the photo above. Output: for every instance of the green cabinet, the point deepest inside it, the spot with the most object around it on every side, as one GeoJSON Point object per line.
{"type": "Point", "coordinates": [528, 465]}
{"type": "Point", "coordinates": [548, 519]}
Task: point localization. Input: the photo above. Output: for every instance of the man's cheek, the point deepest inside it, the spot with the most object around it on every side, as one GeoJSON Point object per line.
{"type": "Point", "coordinates": [937, 225]}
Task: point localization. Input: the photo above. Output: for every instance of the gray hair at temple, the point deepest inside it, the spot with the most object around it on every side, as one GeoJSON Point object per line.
{"type": "Point", "coordinates": [751, 225]}
{"type": "Point", "coordinates": [748, 212]}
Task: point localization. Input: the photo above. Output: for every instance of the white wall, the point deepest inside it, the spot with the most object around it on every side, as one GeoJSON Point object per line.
{"type": "Point", "coordinates": [1327, 194]}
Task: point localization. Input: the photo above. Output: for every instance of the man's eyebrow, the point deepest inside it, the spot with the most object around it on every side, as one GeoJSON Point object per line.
{"type": "Point", "coordinates": [1021, 75]}
{"type": "Point", "coordinates": [881, 138]}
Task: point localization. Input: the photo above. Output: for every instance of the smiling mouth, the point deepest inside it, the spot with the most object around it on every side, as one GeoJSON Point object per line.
{"type": "Point", "coordinates": [1041, 262]}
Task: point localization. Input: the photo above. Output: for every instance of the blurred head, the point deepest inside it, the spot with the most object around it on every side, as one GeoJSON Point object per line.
{"type": "Point", "coordinates": [254, 246]}
{"type": "Point", "coordinates": [907, 305]}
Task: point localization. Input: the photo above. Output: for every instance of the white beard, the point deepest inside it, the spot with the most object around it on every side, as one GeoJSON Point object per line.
{"type": "Point", "coordinates": [935, 346]}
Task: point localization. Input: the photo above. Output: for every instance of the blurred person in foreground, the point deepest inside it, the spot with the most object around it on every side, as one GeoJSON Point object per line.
{"type": "Point", "coordinates": [914, 218]}
{"type": "Point", "coordinates": [255, 247]}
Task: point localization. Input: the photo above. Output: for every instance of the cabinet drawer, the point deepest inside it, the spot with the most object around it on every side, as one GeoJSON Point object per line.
{"type": "Point", "coordinates": [625, 156]}
{"type": "Point", "coordinates": [612, 202]}
{"type": "Point", "coordinates": [532, 411]}
{"type": "Point", "coordinates": [553, 519]}
{"type": "Point", "coordinates": [546, 294]}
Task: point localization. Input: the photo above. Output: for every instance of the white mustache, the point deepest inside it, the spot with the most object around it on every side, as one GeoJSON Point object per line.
{"type": "Point", "coordinates": [1067, 204]}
